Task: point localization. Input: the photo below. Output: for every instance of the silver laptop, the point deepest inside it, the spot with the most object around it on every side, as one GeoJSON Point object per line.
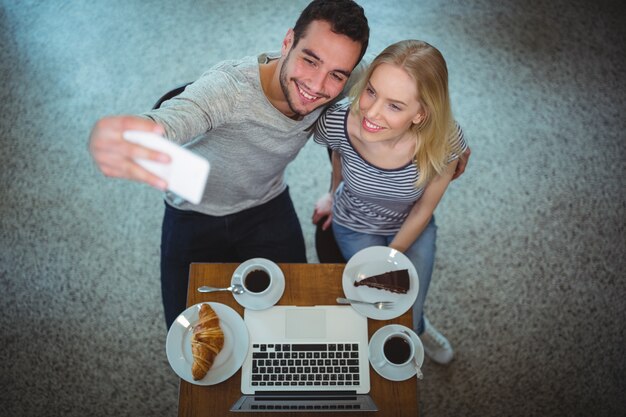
{"type": "Point", "coordinates": [306, 359]}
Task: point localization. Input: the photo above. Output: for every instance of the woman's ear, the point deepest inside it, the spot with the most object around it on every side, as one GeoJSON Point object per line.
{"type": "Point", "coordinates": [419, 118]}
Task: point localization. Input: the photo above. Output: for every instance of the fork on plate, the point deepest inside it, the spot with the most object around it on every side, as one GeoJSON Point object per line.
{"type": "Point", "coordinates": [381, 305]}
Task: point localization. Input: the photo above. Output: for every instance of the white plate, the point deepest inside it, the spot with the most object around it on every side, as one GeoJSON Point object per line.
{"type": "Point", "coordinates": [230, 358]}
{"type": "Point", "coordinates": [388, 371]}
{"type": "Point", "coordinates": [373, 261]}
{"type": "Point", "coordinates": [256, 301]}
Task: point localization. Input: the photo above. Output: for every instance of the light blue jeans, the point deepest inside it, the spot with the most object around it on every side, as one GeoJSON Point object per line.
{"type": "Point", "coordinates": [421, 253]}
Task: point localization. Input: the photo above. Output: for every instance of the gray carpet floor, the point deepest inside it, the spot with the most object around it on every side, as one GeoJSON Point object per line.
{"type": "Point", "coordinates": [529, 282]}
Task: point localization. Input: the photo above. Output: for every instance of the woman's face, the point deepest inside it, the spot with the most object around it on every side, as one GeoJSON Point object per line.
{"type": "Point", "coordinates": [389, 104]}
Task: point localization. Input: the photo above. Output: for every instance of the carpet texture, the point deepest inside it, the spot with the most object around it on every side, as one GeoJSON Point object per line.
{"type": "Point", "coordinates": [529, 281]}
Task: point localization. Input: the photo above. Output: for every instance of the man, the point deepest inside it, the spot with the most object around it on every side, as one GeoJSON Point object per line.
{"type": "Point", "coordinates": [249, 118]}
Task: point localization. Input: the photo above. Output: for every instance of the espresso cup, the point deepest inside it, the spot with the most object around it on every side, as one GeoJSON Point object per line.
{"type": "Point", "coordinates": [256, 279]}
{"type": "Point", "coordinates": [397, 349]}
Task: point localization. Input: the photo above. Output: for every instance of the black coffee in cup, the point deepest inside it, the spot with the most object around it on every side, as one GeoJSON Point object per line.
{"type": "Point", "coordinates": [257, 280]}
{"type": "Point", "coordinates": [397, 350]}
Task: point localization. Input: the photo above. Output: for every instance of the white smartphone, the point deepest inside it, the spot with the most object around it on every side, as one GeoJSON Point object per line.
{"type": "Point", "coordinates": [186, 174]}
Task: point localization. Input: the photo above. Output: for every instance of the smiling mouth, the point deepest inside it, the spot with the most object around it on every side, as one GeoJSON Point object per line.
{"type": "Point", "coordinates": [306, 96]}
{"type": "Point", "coordinates": [370, 127]}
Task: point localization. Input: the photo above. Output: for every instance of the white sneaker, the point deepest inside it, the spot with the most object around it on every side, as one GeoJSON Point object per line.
{"type": "Point", "coordinates": [436, 346]}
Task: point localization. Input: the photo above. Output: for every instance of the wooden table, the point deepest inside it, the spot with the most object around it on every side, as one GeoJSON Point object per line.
{"type": "Point", "coordinates": [306, 285]}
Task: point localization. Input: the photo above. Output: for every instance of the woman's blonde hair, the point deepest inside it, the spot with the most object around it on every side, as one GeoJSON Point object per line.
{"type": "Point", "coordinates": [425, 64]}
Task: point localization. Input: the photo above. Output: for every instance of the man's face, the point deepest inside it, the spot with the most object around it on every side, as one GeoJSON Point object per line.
{"type": "Point", "coordinates": [315, 71]}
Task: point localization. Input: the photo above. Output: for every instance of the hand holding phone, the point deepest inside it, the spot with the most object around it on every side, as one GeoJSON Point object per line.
{"type": "Point", "coordinates": [186, 174]}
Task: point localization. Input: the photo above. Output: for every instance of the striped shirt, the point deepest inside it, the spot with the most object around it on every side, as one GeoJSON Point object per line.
{"type": "Point", "coordinates": [370, 199]}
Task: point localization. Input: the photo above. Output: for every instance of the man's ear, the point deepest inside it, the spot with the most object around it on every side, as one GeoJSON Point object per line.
{"type": "Point", "coordinates": [287, 43]}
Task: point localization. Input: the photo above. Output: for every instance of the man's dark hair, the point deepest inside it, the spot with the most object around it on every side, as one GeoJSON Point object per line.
{"type": "Point", "coordinates": [344, 16]}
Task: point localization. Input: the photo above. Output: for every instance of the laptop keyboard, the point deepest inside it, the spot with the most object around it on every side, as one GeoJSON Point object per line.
{"type": "Point", "coordinates": [298, 365]}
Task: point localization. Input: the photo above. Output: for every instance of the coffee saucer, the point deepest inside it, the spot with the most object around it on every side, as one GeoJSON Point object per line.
{"type": "Point", "coordinates": [387, 370]}
{"type": "Point", "coordinates": [271, 297]}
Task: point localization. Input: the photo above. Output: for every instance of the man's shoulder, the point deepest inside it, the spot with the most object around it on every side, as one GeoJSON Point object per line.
{"type": "Point", "coordinates": [246, 65]}
{"type": "Point", "coordinates": [230, 77]}
{"type": "Point", "coordinates": [239, 68]}
{"type": "Point", "coordinates": [239, 72]}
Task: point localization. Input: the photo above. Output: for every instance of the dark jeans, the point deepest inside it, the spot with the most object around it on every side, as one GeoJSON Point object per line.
{"type": "Point", "coordinates": [270, 231]}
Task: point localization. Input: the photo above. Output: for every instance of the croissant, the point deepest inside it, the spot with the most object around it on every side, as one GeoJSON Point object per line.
{"type": "Point", "coordinates": [206, 343]}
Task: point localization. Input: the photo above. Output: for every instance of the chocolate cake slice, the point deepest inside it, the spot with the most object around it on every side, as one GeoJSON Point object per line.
{"type": "Point", "coordinates": [394, 281]}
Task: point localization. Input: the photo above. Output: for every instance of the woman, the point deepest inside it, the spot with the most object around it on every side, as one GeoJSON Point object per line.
{"type": "Point", "coordinates": [394, 147]}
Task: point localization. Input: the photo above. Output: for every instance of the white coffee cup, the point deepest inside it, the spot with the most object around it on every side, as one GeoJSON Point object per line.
{"type": "Point", "coordinates": [256, 279]}
{"type": "Point", "coordinates": [398, 349]}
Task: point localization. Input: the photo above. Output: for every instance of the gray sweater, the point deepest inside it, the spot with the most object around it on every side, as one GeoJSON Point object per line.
{"type": "Point", "coordinates": [225, 117]}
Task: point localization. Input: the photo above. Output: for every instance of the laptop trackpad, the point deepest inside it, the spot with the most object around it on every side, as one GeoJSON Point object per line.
{"type": "Point", "coordinates": [305, 324]}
